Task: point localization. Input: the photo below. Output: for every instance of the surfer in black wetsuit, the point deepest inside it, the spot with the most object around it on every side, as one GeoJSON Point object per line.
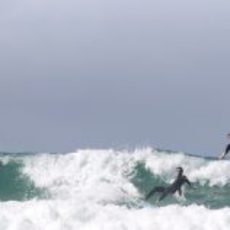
{"type": "Point", "coordinates": [227, 149]}
{"type": "Point", "coordinates": [171, 189]}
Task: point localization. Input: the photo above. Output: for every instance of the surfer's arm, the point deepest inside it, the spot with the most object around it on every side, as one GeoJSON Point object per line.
{"type": "Point", "coordinates": [188, 182]}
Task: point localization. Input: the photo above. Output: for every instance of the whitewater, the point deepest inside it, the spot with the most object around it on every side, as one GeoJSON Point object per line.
{"type": "Point", "coordinates": [104, 190]}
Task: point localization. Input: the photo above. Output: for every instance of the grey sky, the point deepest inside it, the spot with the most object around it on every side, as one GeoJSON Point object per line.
{"type": "Point", "coordinates": [124, 73]}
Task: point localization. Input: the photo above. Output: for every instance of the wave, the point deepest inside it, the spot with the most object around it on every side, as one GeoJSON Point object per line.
{"type": "Point", "coordinates": [104, 189]}
{"type": "Point", "coordinates": [109, 173]}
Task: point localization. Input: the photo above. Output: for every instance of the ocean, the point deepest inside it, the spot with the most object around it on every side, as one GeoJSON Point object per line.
{"type": "Point", "coordinates": [104, 189]}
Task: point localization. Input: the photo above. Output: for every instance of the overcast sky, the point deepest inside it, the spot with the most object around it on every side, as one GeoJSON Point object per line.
{"type": "Point", "coordinates": [114, 73]}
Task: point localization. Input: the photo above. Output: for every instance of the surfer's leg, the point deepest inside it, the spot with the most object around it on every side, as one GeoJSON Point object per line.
{"type": "Point", "coordinates": [169, 190]}
{"type": "Point", "coordinates": [163, 196]}
{"type": "Point", "coordinates": [226, 150]}
{"type": "Point", "coordinates": [156, 189]}
{"type": "Point", "coordinates": [179, 191]}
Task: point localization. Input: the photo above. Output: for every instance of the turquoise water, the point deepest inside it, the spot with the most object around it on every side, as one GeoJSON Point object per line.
{"type": "Point", "coordinates": [14, 185]}
{"type": "Point", "coordinates": [211, 196]}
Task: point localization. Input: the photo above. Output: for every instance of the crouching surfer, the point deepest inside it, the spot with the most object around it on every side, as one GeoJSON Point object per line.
{"type": "Point", "coordinates": [171, 189]}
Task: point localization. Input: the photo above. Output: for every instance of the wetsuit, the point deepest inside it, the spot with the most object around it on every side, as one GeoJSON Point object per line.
{"type": "Point", "coordinates": [227, 149]}
{"type": "Point", "coordinates": [171, 189]}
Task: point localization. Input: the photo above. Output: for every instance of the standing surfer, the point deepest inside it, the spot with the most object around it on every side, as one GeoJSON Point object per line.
{"type": "Point", "coordinates": [171, 189]}
{"type": "Point", "coordinates": [227, 149]}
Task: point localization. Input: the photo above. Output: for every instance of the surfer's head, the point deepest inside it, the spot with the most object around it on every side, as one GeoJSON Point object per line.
{"type": "Point", "coordinates": [179, 170]}
{"type": "Point", "coordinates": [228, 135]}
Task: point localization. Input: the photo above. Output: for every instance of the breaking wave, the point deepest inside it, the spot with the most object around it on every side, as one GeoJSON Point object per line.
{"type": "Point", "coordinates": [104, 189]}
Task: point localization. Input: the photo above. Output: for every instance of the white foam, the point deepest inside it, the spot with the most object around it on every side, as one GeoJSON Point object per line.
{"type": "Point", "coordinates": [104, 174]}
{"type": "Point", "coordinates": [98, 174]}
{"type": "Point", "coordinates": [86, 185]}
{"type": "Point", "coordinates": [66, 215]}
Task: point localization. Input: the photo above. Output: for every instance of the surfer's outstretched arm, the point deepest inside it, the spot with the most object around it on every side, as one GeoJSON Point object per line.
{"type": "Point", "coordinates": [156, 189]}
{"type": "Point", "coordinates": [188, 182]}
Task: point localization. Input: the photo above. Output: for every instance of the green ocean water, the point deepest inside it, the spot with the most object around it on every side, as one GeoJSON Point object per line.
{"type": "Point", "coordinates": [16, 186]}
{"type": "Point", "coordinates": [213, 197]}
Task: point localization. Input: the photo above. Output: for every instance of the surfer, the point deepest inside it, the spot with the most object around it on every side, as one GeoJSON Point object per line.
{"type": "Point", "coordinates": [227, 149]}
{"type": "Point", "coordinates": [171, 189]}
